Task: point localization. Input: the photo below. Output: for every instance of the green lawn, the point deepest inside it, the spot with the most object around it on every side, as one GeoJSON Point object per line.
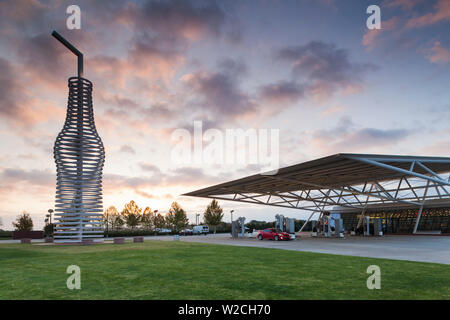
{"type": "Point", "coordinates": [181, 270]}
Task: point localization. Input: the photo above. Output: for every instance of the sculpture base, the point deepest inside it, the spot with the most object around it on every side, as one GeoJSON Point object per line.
{"type": "Point", "coordinates": [78, 242]}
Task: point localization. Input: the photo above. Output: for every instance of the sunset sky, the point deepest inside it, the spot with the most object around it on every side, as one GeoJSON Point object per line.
{"type": "Point", "coordinates": [309, 68]}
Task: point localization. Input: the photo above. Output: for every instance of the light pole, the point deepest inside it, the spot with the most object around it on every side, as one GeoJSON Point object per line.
{"type": "Point", "coordinates": [197, 218]}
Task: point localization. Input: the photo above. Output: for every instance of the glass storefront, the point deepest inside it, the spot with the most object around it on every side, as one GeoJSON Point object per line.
{"type": "Point", "coordinates": [403, 221]}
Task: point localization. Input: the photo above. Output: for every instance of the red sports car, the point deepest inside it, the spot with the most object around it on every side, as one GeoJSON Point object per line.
{"type": "Point", "coordinates": [273, 234]}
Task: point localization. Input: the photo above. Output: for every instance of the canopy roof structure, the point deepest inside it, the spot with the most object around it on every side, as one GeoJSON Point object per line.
{"type": "Point", "coordinates": [353, 182]}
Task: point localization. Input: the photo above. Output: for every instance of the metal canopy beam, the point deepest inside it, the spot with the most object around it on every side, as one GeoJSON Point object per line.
{"type": "Point", "coordinates": [343, 180]}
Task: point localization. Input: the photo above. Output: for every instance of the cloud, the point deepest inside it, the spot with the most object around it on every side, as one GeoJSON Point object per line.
{"type": "Point", "coordinates": [42, 182]}
{"type": "Point", "coordinates": [347, 137]}
{"type": "Point", "coordinates": [156, 38]}
{"type": "Point", "coordinates": [170, 22]}
{"type": "Point", "coordinates": [27, 181]}
{"type": "Point", "coordinates": [149, 60]}
{"type": "Point", "coordinates": [440, 13]}
{"type": "Point", "coordinates": [45, 61]}
{"type": "Point", "coordinates": [283, 92]}
{"type": "Point", "coordinates": [404, 4]}
{"type": "Point", "coordinates": [163, 30]}
{"type": "Point", "coordinates": [17, 108]}
{"type": "Point", "coordinates": [44, 55]}
{"type": "Point", "coordinates": [158, 111]}
{"type": "Point", "coordinates": [371, 36]}
{"type": "Point", "coordinates": [117, 100]}
{"type": "Point", "coordinates": [219, 94]}
{"type": "Point", "coordinates": [23, 15]}
{"type": "Point", "coordinates": [152, 196]}
{"type": "Point", "coordinates": [325, 68]}
{"type": "Point", "coordinates": [11, 91]}
{"type": "Point", "coordinates": [112, 73]}
{"type": "Point", "coordinates": [127, 149]}
{"type": "Point", "coordinates": [115, 182]}
{"type": "Point", "coordinates": [185, 176]}
{"type": "Point", "coordinates": [150, 168]}
{"type": "Point", "coordinates": [438, 54]}
{"type": "Point", "coordinates": [319, 70]}
{"type": "Point", "coordinates": [190, 176]}
{"type": "Point", "coordinates": [233, 67]}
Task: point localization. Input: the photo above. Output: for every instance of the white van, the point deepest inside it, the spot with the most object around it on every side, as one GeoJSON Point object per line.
{"type": "Point", "coordinates": [200, 230]}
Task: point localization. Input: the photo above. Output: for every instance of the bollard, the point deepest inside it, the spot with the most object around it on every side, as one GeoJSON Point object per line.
{"type": "Point", "coordinates": [87, 242]}
{"type": "Point", "coordinates": [119, 240]}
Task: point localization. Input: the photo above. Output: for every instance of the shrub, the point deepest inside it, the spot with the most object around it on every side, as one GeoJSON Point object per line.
{"type": "Point", "coordinates": [5, 234]}
{"type": "Point", "coordinates": [132, 233]}
{"type": "Point", "coordinates": [48, 230]}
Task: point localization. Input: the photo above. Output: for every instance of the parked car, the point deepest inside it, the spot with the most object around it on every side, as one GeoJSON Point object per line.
{"type": "Point", "coordinates": [163, 230]}
{"type": "Point", "coordinates": [201, 230]}
{"type": "Point", "coordinates": [186, 232]}
{"type": "Point", "coordinates": [273, 234]}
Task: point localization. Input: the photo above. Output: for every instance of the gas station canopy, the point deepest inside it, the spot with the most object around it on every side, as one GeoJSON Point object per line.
{"type": "Point", "coordinates": [352, 182]}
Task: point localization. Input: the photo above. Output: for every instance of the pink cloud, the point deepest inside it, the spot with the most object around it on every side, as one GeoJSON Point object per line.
{"type": "Point", "coordinates": [151, 62]}
{"type": "Point", "coordinates": [441, 13]}
{"type": "Point", "coordinates": [404, 4]}
{"type": "Point", "coordinates": [370, 37]}
{"type": "Point", "coordinates": [438, 54]}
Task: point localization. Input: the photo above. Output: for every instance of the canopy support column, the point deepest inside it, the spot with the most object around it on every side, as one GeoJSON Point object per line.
{"type": "Point", "coordinates": [419, 214]}
{"type": "Point", "coordinates": [301, 229]}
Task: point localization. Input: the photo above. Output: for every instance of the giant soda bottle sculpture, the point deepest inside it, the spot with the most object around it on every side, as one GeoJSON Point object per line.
{"type": "Point", "coordinates": [79, 156]}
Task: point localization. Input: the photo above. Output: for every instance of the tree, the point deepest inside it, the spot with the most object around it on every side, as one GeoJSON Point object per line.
{"type": "Point", "coordinates": [48, 229]}
{"type": "Point", "coordinates": [132, 214]}
{"type": "Point", "coordinates": [48, 226]}
{"type": "Point", "coordinates": [148, 217]}
{"type": "Point", "coordinates": [213, 214]}
{"type": "Point", "coordinates": [23, 222]}
{"type": "Point", "coordinates": [176, 217]}
{"type": "Point", "coordinates": [159, 221]}
{"type": "Point", "coordinates": [112, 218]}
{"type": "Point", "coordinates": [259, 225]}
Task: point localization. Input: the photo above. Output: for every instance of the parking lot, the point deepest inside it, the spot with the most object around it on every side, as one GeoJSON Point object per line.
{"type": "Point", "coordinates": [414, 248]}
